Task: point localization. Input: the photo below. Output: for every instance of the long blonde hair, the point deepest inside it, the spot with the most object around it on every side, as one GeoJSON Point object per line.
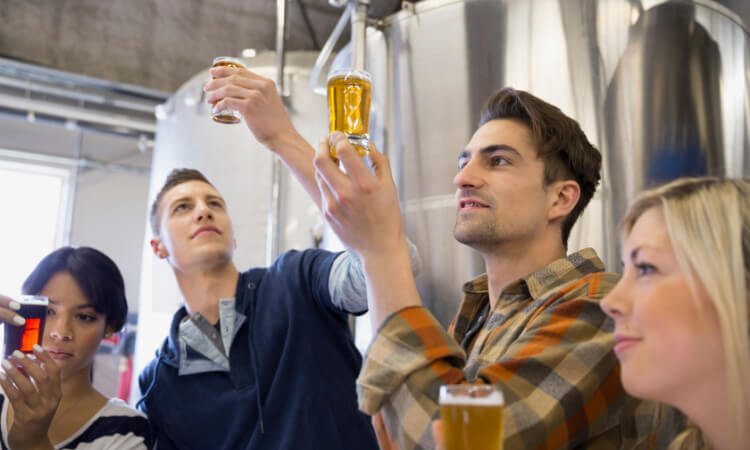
{"type": "Point", "coordinates": [708, 221]}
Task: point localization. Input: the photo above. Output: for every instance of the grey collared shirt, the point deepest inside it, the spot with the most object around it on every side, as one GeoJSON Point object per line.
{"type": "Point", "coordinates": [203, 337]}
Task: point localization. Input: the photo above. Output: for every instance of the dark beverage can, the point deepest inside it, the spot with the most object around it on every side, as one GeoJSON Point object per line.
{"type": "Point", "coordinates": [24, 337]}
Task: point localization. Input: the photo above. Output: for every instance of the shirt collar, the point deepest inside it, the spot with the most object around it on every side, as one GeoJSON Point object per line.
{"type": "Point", "coordinates": [557, 273]}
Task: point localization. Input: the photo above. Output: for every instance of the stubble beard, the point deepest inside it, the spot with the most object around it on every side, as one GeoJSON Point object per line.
{"type": "Point", "coordinates": [478, 234]}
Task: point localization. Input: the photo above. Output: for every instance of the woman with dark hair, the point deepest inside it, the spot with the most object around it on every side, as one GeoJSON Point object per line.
{"type": "Point", "coordinates": [47, 399]}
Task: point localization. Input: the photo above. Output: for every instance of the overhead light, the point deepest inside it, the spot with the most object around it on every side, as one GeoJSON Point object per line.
{"type": "Point", "coordinates": [160, 111]}
{"type": "Point", "coordinates": [249, 53]}
{"type": "Point", "coordinates": [71, 125]}
{"type": "Point", "coordinates": [31, 117]}
{"type": "Point", "coordinates": [634, 16]}
{"type": "Point", "coordinates": [144, 143]}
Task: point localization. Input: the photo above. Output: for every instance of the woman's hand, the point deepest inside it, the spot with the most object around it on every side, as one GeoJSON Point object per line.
{"type": "Point", "coordinates": [32, 385]}
{"type": "Point", "coordinates": [8, 314]}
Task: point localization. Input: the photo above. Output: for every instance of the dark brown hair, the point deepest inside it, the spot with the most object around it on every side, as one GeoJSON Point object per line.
{"type": "Point", "coordinates": [96, 275]}
{"type": "Point", "coordinates": [566, 152]}
{"type": "Point", "coordinates": [175, 177]}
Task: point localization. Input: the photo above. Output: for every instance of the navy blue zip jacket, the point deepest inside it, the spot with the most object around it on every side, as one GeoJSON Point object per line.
{"type": "Point", "coordinates": [293, 365]}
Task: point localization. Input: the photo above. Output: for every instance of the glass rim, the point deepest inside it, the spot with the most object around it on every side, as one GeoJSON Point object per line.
{"type": "Point", "coordinates": [471, 394]}
{"type": "Point", "coordinates": [354, 73]}
{"type": "Point", "coordinates": [231, 59]}
{"type": "Point", "coordinates": [32, 300]}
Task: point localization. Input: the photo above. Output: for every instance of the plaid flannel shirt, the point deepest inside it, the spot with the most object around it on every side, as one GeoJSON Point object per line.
{"type": "Point", "coordinates": [546, 343]}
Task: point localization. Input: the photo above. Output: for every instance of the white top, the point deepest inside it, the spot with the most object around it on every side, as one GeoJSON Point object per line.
{"type": "Point", "coordinates": [115, 426]}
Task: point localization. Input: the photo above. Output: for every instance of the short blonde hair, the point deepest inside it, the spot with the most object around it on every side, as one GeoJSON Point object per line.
{"type": "Point", "coordinates": [708, 222]}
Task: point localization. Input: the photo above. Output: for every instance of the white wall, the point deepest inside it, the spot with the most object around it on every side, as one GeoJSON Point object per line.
{"type": "Point", "coordinates": [110, 215]}
{"type": "Point", "coordinates": [110, 208]}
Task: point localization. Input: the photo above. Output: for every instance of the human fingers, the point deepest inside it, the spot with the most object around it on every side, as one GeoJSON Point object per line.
{"type": "Point", "coordinates": [350, 159]}
{"type": "Point", "coordinates": [228, 71]}
{"type": "Point", "coordinates": [234, 90]}
{"type": "Point", "coordinates": [381, 433]}
{"type": "Point", "coordinates": [20, 379]}
{"type": "Point", "coordinates": [381, 164]}
{"type": "Point", "coordinates": [43, 370]}
{"type": "Point", "coordinates": [8, 308]}
{"type": "Point", "coordinates": [437, 433]}
{"type": "Point", "coordinates": [241, 80]}
{"type": "Point", "coordinates": [326, 168]}
{"type": "Point", "coordinates": [12, 393]}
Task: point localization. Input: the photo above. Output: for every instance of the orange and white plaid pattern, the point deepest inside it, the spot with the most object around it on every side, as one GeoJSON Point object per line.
{"type": "Point", "coordinates": [546, 343]}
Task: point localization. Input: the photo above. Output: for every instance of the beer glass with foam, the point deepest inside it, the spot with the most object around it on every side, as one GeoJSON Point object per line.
{"type": "Point", "coordinates": [472, 417]}
{"type": "Point", "coordinates": [24, 337]}
{"type": "Point", "coordinates": [349, 95]}
{"type": "Point", "coordinates": [227, 116]}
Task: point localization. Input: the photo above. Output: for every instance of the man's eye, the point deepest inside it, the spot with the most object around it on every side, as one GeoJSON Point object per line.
{"type": "Point", "coordinates": [215, 203]}
{"type": "Point", "coordinates": [498, 161]}
{"type": "Point", "coordinates": [86, 317]}
{"type": "Point", "coordinates": [180, 207]}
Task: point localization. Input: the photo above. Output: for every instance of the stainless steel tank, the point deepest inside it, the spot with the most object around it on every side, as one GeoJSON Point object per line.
{"type": "Point", "coordinates": [660, 87]}
{"type": "Point", "coordinates": [240, 168]}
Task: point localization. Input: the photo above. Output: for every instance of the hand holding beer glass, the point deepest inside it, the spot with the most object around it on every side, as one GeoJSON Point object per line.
{"type": "Point", "coordinates": [349, 94]}
{"type": "Point", "coordinates": [226, 116]}
{"type": "Point", "coordinates": [472, 417]}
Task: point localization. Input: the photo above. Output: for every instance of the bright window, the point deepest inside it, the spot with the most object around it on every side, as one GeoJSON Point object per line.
{"type": "Point", "coordinates": [33, 201]}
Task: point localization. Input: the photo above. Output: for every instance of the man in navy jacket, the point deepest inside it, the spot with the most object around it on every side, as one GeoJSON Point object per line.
{"type": "Point", "coordinates": [261, 359]}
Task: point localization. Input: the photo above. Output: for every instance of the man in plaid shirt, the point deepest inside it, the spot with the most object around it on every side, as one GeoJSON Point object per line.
{"type": "Point", "coordinates": [531, 324]}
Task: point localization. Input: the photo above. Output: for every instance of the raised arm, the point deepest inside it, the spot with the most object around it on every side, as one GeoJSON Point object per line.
{"type": "Point", "coordinates": [362, 209]}
{"type": "Point", "coordinates": [258, 101]}
{"type": "Point", "coordinates": [556, 369]}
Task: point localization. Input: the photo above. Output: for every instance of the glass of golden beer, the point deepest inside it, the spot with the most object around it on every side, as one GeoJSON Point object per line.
{"type": "Point", "coordinates": [349, 95]}
{"type": "Point", "coordinates": [472, 417]}
{"type": "Point", "coordinates": [227, 116]}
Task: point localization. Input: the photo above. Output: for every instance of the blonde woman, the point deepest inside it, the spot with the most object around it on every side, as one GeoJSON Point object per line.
{"type": "Point", "coordinates": [681, 307]}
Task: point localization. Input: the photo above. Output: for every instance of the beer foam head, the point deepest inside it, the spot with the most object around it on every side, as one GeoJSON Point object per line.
{"type": "Point", "coordinates": [471, 395]}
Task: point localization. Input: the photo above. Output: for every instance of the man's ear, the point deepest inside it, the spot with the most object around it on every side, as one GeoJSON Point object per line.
{"type": "Point", "coordinates": [564, 197]}
{"type": "Point", "coordinates": [157, 246]}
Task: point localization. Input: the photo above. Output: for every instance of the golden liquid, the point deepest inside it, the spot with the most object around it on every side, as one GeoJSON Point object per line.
{"type": "Point", "coordinates": [349, 107]}
{"type": "Point", "coordinates": [225, 118]}
{"type": "Point", "coordinates": [472, 427]}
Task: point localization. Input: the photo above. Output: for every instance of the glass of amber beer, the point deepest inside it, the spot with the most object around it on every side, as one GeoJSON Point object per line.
{"type": "Point", "coordinates": [472, 417]}
{"type": "Point", "coordinates": [227, 116]}
{"type": "Point", "coordinates": [349, 95]}
{"type": "Point", "coordinates": [24, 337]}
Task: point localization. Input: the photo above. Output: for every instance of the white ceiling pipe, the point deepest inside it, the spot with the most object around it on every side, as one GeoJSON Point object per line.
{"type": "Point", "coordinates": [79, 114]}
{"type": "Point", "coordinates": [75, 94]}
